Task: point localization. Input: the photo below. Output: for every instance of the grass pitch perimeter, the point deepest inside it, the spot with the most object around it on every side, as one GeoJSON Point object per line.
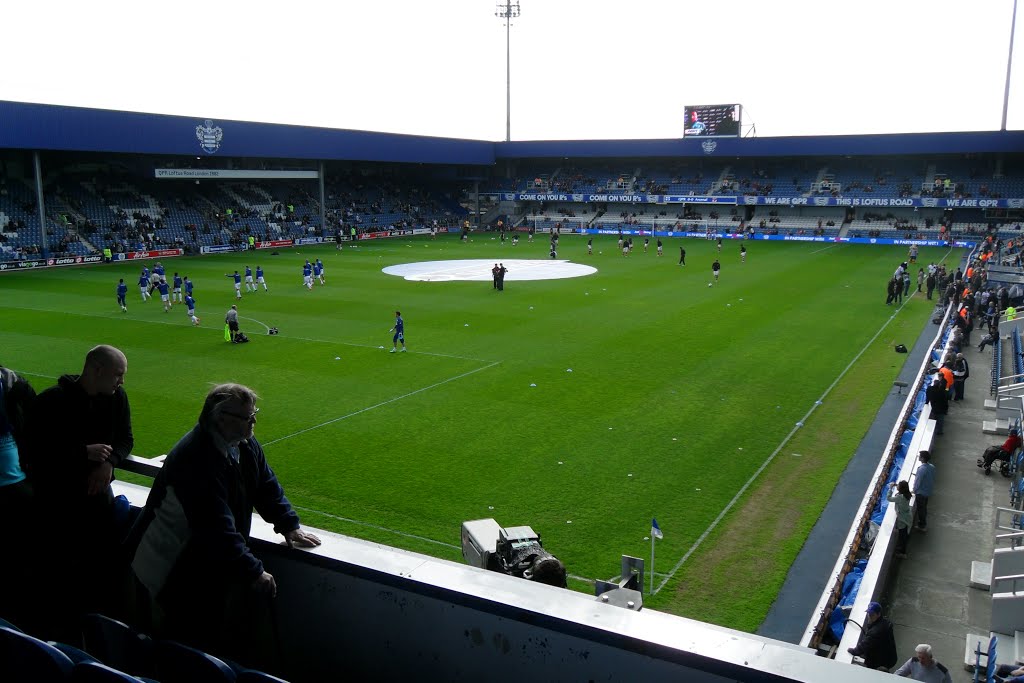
{"type": "Point", "coordinates": [678, 393]}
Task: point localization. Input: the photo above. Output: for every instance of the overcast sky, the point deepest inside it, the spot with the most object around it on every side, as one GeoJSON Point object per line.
{"type": "Point", "coordinates": [580, 70]}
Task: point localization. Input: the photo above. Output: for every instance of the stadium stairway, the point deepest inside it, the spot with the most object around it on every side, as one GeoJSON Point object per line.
{"type": "Point", "coordinates": [929, 598]}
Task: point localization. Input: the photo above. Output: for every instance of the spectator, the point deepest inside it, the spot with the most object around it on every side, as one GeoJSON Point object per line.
{"type": "Point", "coordinates": [190, 547]}
{"type": "Point", "coordinates": [71, 468]}
{"type": "Point", "coordinates": [900, 495]}
{"type": "Point", "coordinates": [937, 396]}
{"type": "Point", "coordinates": [1003, 453]}
{"type": "Point", "coordinates": [992, 338]}
{"type": "Point", "coordinates": [16, 396]}
{"type": "Point", "coordinates": [924, 483]}
{"type": "Point", "coordinates": [877, 644]}
{"type": "Point", "coordinates": [1009, 673]}
{"type": "Point", "coordinates": [961, 371]}
{"type": "Point", "coordinates": [923, 667]}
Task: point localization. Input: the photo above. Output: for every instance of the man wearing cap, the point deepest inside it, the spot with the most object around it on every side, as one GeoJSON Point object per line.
{"type": "Point", "coordinates": [877, 644]}
{"type": "Point", "coordinates": [924, 667]}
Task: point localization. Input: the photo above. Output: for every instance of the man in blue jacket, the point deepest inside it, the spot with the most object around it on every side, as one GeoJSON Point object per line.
{"type": "Point", "coordinates": [191, 543]}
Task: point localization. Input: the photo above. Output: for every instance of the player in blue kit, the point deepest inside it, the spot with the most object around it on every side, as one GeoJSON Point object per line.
{"type": "Point", "coordinates": [122, 292]}
{"type": "Point", "coordinates": [190, 304]}
{"type": "Point", "coordinates": [144, 284]}
{"type": "Point", "coordinates": [238, 283]}
{"type": "Point", "coordinates": [259, 278]}
{"type": "Point", "coordinates": [165, 296]}
{"type": "Point", "coordinates": [188, 286]}
{"type": "Point", "coordinates": [307, 275]}
{"type": "Point", "coordinates": [250, 286]}
{"type": "Point", "coordinates": [399, 330]}
{"type": "Point", "coordinates": [176, 292]}
{"type": "Point", "coordinates": [318, 270]}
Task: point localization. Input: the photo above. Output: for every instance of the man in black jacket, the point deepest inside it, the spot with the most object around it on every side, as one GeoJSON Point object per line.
{"type": "Point", "coordinates": [938, 397]}
{"type": "Point", "coordinates": [77, 432]}
{"type": "Point", "coordinates": [191, 545]}
{"type": "Point", "coordinates": [877, 644]}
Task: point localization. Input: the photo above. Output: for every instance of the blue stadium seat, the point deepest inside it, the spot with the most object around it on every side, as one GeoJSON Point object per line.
{"type": "Point", "coordinates": [73, 653]}
{"type": "Point", "coordinates": [118, 645]}
{"type": "Point", "coordinates": [24, 658]}
{"type": "Point", "coordinates": [94, 672]}
{"type": "Point", "coordinates": [250, 676]}
{"type": "Point", "coordinates": [177, 663]}
{"type": "Point", "coordinates": [6, 624]}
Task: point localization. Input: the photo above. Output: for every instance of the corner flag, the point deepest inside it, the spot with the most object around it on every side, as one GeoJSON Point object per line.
{"type": "Point", "coordinates": [656, 530]}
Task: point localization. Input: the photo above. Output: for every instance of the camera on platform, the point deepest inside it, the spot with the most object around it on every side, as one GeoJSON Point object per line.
{"type": "Point", "coordinates": [516, 551]}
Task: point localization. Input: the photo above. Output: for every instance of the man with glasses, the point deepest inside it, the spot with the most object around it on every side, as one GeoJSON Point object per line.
{"type": "Point", "coordinates": [191, 543]}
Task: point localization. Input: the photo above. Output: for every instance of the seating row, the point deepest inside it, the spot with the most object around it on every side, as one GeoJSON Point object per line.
{"type": "Point", "coordinates": [114, 653]}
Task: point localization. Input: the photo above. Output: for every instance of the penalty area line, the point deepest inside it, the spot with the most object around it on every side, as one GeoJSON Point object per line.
{"type": "Point", "coordinates": [266, 327]}
{"type": "Point", "coordinates": [382, 403]}
{"type": "Point", "coordinates": [377, 527]}
{"type": "Point", "coordinates": [743, 489]}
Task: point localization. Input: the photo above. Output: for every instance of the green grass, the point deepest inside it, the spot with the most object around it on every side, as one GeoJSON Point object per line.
{"type": "Point", "coordinates": [678, 393]}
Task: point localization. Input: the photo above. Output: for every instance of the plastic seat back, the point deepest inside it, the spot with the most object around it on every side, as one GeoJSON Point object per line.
{"type": "Point", "coordinates": [177, 663]}
{"type": "Point", "coordinates": [24, 658]}
{"type": "Point", "coordinates": [118, 645]}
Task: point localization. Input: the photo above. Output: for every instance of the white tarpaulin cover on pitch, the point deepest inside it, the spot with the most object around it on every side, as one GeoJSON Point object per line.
{"type": "Point", "coordinates": [479, 270]}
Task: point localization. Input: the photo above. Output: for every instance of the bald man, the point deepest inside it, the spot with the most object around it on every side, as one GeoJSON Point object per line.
{"type": "Point", "coordinates": [77, 433]}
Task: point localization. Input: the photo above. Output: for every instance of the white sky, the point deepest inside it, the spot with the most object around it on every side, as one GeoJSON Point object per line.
{"type": "Point", "coordinates": [580, 70]}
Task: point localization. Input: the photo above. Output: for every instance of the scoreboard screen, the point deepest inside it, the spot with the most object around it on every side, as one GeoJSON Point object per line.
{"type": "Point", "coordinates": [712, 121]}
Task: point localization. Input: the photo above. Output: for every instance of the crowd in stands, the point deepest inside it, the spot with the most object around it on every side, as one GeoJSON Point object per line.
{"type": "Point", "coordinates": [88, 212]}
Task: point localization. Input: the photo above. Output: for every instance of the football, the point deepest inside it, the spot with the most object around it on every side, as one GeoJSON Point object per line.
{"type": "Point", "coordinates": [709, 284]}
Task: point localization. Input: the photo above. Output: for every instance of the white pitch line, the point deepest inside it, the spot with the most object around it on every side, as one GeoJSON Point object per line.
{"type": "Point", "coordinates": [383, 403]}
{"type": "Point", "coordinates": [371, 346]}
{"type": "Point", "coordinates": [266, 327]}
{"type": "Point", "coordinates": [32, 374]}
{"type": "Point", "coordinates": [739, 494]}
{"type": "Point", "coordinates": [114, 316]}
{"type": "Point", "coordinates": [824, 248]}
{"type": "Point", "coordinates": [377, 527]}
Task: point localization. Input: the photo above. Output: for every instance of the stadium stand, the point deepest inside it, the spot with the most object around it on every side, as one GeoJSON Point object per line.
{"type": "Point", "coordinates": [115, 204]}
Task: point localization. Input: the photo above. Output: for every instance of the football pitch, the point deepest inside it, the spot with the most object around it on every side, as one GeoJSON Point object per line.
{"type": "Point", "coordinates": [582, 407]}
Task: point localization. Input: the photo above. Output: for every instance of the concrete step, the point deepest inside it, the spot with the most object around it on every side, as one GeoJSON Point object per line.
{"type": "Point", "coordinates": [991, 403]}
{"type": "Point", "coordinates": [981, 575]}
{"type": "Point", "coordinates": [995, 426]}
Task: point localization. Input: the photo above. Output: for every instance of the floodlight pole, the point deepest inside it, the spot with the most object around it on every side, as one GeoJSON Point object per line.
{"type": "Point", "coordinates": [1009, 63]}
{"type": "Point", "coordinates": [508, 12]}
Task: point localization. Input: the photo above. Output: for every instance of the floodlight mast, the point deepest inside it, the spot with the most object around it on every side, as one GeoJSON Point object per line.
{"type": "Point", "coordinates": [1009, 63]}
{"type": "Point", "coordinates": [508, 12]}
